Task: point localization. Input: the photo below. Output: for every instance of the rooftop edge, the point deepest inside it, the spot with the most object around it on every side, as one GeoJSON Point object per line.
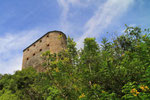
{"type": "Point", "coordinates": [42, 37]}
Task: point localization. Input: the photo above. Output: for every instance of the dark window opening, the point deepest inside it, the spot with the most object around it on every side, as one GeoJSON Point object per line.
{"type": "Point", "coordinates": [34, 54]}
{"type": "Point", "coordinates": [34, 45]}
{"type": "Point", "coordinates": [27, 58]}
{"type": "Point", "coordinates": [27, 49]}
{"type": "Point", "coordinates": [40, 50]}
{"type": "Point", "coordinates": [48, 45]}
{"type": "Point", "coordinates": [40, 40]}
{"type": "Point", "coordinates": [47, 35]}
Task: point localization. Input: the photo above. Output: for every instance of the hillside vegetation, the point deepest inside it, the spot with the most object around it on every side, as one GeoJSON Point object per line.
{"type": "Point", "coordinates": [113, 70]}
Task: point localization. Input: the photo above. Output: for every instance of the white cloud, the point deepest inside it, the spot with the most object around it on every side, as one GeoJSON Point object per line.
{"type": "Point", "coordinates": [103, 17]}
{"type": "Point", "coordinates": [66, 5]}
{"type": "Point", "coordinates": [14, 63]}
{"type": "Point", "coordinates": [11, 46]}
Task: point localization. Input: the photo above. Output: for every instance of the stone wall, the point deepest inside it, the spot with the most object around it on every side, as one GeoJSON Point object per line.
{"type": "Point", "coordinates": [55, 41]}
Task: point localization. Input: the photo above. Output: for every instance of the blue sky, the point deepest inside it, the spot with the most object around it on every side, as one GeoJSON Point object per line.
{"type": "Point", "coordinates": [24, 21]}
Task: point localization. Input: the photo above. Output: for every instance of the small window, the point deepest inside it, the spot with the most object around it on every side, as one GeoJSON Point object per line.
{"type": "Point", "coordinates": [40, 40]}
{"type": "Point", "coordinates": [47, 35]}
{"type": "Point", "coordinates": [40, 50]}
{"type": "Point", "coordinates": [27, 58]}
{"type": "Point", "coordinates": [34, 45]}
{"type": "Point", "coordinates": [27, 49]}
{"type": "Point", "coordinates": [47, 45]}
{"type": "Point", "coordinates": [34, 54]}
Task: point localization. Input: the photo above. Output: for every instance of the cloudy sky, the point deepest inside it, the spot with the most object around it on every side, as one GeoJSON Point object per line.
{"type": "Point", "coordinates": [24, 21]}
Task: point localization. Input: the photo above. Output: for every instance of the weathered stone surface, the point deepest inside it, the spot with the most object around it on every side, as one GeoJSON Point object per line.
{"type": "Point", "coordinates": [54, 41]}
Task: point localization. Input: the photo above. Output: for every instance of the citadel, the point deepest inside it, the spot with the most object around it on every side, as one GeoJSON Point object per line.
{"type": "Point", "coordinates": [53, 41]}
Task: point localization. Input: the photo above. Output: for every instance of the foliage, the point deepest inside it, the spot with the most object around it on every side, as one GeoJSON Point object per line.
{"type": "Point", "coordinates": [114, 70]}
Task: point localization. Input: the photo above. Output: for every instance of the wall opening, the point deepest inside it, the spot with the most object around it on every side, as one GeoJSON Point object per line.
{"type": "Point", "coordinates": [34, 54]}
{"type": "Point", "coordinates": [47, 45]}
{"type": "Point", "coordinates": [40, 50]}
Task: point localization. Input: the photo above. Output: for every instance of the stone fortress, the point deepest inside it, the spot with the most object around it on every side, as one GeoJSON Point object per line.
{"type": "Point", "coordinates": [54, 41]}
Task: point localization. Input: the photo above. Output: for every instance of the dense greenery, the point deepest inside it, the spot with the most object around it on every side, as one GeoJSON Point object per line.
{"type": "Point", "coordinates": [116, 69]}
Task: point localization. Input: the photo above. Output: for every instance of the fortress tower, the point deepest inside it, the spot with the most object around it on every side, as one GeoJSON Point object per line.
{"type": "Point", "coordinates": [54, 41]}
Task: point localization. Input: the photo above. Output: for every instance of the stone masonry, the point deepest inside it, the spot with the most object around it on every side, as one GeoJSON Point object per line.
{"type": "Point", "coordinates": [54, 41]}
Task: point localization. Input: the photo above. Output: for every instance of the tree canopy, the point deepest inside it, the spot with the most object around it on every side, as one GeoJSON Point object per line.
{"type": "Point", "coordinates": [112, 70]}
